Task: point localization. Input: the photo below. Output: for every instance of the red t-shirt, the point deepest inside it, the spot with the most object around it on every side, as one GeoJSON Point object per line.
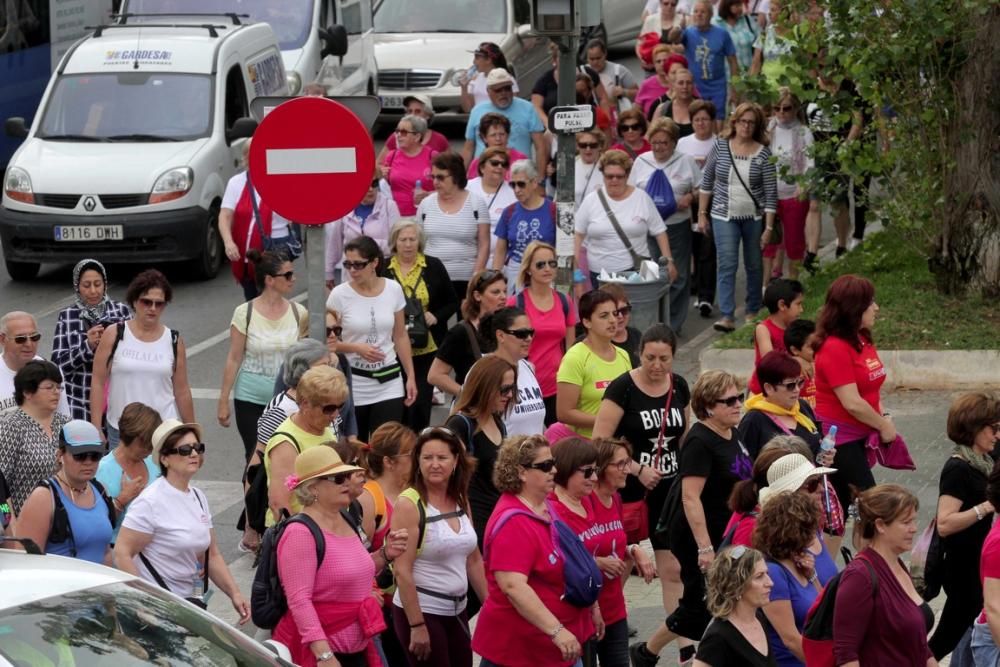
{"type": "Point", "coordinates": [839, 364]}
{"type": "Point", "coordinates": [744, 528]}
{"type": "Point", "coordinates": [989, 563]}
{"type": "Point", "coordinates": [777, 343]}
{"type": "Point", "coordinates": [550, 327]}
{"type": "Point", "coordinates": [808, 392]}
{"type": "Point", "coordinates": [502, 635]}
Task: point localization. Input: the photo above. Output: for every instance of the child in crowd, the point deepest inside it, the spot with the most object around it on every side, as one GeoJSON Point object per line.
{"type": "Point", "coordinates": [783, 298]}
{"type": "Point", "coordinates": [799, 338]}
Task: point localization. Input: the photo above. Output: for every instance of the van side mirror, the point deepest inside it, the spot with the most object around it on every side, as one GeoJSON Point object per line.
{"type": "Point", "coordinates": [335, 41]}
{"type": "Point", "coordinates": [243, 128]}
{"type": "Point", "coordinates": [15, 128]}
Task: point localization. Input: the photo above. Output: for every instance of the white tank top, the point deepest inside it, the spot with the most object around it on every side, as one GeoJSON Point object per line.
{"type": "Point", "coordinates": [142, 372]}
{"type": "Point", "coordinates": [527, 417]}
{"type": "Point", "coordinates": [441, 565]}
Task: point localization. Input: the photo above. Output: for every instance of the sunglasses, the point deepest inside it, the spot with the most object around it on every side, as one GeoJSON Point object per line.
{"type": "Point", "coordinates": [287, 275]}
{"type": "Point", "coordinates": [731, 401]}
{"type": "Point", "coordinates": [24, 338]}
{"type": "Point", "coordinates": [615, 177]}
{"type": "Point", "coordinates": [440, 177]}
{"type": "Point", "coordinates": [507, 389]}
{"type": "Point", "coordinates": [335, 330]}
{"type": "Point", "coordinates": [438, 430]}
{"type": "Point", "coordinates": [519, 185]}
{"type": "Point", "coordinates": [502, 89]}
{"type": "Point", "coordinates": [152, 304]}
{"type": "Point", "coordinates": [402, 131]}
{"type": "Point", "coordinates": [545, 466]}
{"type": "Point", "coordinates": [792, 385]}
{"type": "Point", "coordinates": [736, 553]}
{"type": "Point", "coordinates": [785, 107]}
{"type": "Point", "coordinates": [588, 471]}
{"type": "Point", "coordinates": [331, 408]}
{"type": "Point", "coordinates": [585, 145]}
{"type": "Point", "coordinates": [338, 478]}
{"type": "Point", "coordinates": [486, 278]}
{"type": "Point", "coordinates": [623, 311]}
{"type": "Point", "coordinates": [522, 334]}
{"type": "Point", "coordinates": [812, 484]}
{"type": "Point", "coordinates": [630, 127]}
{"type": "Point", "coordinates": [541, 264]}
{"type": "Point", "coordinates": [498, 163]}
{"type": "Point", "coordinates": [187, 450]}
{"type": "Point", "coordinates": [356, 266]}
{"type": "Point", "coordinates": [93, 457]}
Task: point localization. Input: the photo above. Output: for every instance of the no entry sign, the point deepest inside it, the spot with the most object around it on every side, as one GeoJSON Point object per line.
{"type": "Point", "coordinates": [312, 160]}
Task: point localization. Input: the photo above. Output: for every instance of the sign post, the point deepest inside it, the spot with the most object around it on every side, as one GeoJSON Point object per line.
{"type": "Point", "coordinates": [312, 161]}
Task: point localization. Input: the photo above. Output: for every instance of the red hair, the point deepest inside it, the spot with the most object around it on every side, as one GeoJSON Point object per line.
{"type": "Point", "coordinates": [847, 299]}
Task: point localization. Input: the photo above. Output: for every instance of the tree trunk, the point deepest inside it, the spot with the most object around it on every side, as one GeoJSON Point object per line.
{"type": "Point", "coordinates": [967, 256]}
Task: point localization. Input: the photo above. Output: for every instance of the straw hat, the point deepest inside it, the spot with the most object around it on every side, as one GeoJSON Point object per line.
{"type": "Point", "coordinates": [788, 474]}
{"type": "Point", "coordinates": [318, 462]}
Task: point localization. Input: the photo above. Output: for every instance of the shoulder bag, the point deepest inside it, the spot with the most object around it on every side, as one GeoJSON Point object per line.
{"type": "Point", "coordinates": [777, 234]}
{"type": "Point", "coordinates": [413, 314]}
{"type": "Point", "coordinates": [636, 257]}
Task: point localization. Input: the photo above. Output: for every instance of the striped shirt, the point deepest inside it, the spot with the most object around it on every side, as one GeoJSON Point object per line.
{"type": "Point", "coordinates": [453, 237]}
{"type": "Point", "coordinates": [719, 170]}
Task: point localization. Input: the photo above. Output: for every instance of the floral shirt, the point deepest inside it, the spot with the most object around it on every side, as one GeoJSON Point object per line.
{"type": "Point", "coordinates": [27, 453]}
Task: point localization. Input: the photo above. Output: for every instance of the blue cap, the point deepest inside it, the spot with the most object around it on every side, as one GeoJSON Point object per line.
{"type": "Point", "coordinates": [79, 436]}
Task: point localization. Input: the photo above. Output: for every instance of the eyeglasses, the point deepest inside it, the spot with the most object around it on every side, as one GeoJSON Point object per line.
{"type": "Point", "coordinates": [336, 330]}
{"type": "Point", "coordinates": [731, 401]}
{"type": "Point", "coordinates": [523, 334]}
{"type": "Point", "coordinates": [588, 471]}
{"type": "Point", "coordinates": [996, 428]}
{"type": "Point", "coordinates": [502, 89]}
{"type": "Point", "coordinates": [541, 264]}
{"type": "Point", "coordinates": [621, 465]}
{"type": "Point", "coordinates": [21, 339]}
{"type": "Point", "coordinates": [659, 143]}
{"type": "Point", "coordinates": [615, 177]}
{"type": "Point", "coordinates": [545, 466]}
{"type": "Point", "coordinates": [356, 266]}
{"type": "Point", "coordinates": [338, 478]}
{"type": "Point", "coordinates": [785, 107]}
{"type": "Point", "coordinates": [630, 127]}
{"type": "Point", "coordinates": [498, 163]}
{"type": "Point", "coordinates": [152, 304]}
{"type": "Point", "coordinates": [792, 385]}
{"type": "Point", "coordinates": [812, 484]}
{"type": "Point", "coordinates": [438, 430]}
{"type": "Point", "coordinates": [587, 145]}
{"type": "Point", "coordinates": [440, 177]}
{"type": "Point", "coordinates": [287, 275]}
{"type": "Point", "coordinates": [93, 457]}
{"type": "Point", "coordinates": [187, 450]}
{"type": "Point", "coordinates": [623, 311]}
{"type": "Point", "coordinates": [744, 121]}
{"type": "Point", "coordinates": [400, 130]}
{"type": "Point", "coordinates": [331, 408]}
{"type": "Point", "coordinates": [508, 389]}
{"type": "Point", "coordinates": [519, 185]}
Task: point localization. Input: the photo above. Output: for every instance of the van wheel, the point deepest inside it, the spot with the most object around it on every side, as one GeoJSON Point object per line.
{"type": "Point", "coordinates": [22, 270]}
{"type": "Point", "coordinates": [207, 265]}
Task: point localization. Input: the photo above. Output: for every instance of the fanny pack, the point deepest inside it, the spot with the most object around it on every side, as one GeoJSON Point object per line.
{"type": "Point", "coordinates": [383, 375]}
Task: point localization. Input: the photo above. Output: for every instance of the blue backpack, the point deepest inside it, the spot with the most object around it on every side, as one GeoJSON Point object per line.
{"type": "Point", "coordinates": [658, 187]}
{"type": "Point", "coordinates": [583, 579]}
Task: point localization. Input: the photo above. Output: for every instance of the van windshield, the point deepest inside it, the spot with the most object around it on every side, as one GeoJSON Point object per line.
{"type": "Point", "coordinates": [289, 19]}
{"type": "Point", "coordinates": [398, 16]}
{"type": "Point", "coordinates": [128, 106]}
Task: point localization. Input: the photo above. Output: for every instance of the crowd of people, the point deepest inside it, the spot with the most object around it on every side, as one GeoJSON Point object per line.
{"type": "Point", "coordinates": [573, 456]}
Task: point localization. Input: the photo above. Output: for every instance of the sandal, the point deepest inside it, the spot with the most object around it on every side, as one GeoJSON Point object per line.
{"type": "Point", "coordinates": [725, 325]}
{"type": "Point", "coordinates": [245, 548]}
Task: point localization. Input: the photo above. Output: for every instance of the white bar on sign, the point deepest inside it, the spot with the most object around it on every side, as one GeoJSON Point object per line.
{"type": "Point", "coordinates": [286, 161]}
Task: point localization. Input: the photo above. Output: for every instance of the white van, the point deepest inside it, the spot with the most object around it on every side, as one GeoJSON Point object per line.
{"type": "Point", "coordinates": [129, 154]}
{"type": "Point", "coordinates": [307, 31]}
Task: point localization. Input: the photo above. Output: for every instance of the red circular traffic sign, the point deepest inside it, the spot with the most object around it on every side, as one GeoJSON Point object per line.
{"type": "Point", "coordinates": [311, 160]}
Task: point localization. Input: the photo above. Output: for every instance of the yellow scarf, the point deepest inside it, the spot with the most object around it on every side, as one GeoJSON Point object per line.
{"type": "Point", "coordinates": [759, 402]}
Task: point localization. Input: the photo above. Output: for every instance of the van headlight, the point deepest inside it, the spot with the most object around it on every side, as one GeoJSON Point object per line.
{"type": "Point", "coordinates": [17, 186]}
{"type": "Point", "coordinates": [171, 185]}
{"type": "Point", "coordinates": [294, 83]}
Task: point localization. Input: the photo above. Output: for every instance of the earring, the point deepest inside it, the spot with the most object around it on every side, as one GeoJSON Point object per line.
{"type": "Point", "coordinates": [710, 413]}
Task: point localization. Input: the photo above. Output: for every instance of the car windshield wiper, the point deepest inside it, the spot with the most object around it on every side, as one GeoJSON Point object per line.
{"type": "Point", "coordinates": [141, 137]}
{"type": "Point", "coordinates": [71, 137]}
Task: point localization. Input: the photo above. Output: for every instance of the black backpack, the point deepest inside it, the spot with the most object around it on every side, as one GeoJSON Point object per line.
{"type": "Point", "coordinates": [120, 336]}
{"type": "Point", "coordinates": [61, 529]}
{"type": "Point", "coordinates": [255, 498]}
{"type": "Point", "coordinates": [267, 598]}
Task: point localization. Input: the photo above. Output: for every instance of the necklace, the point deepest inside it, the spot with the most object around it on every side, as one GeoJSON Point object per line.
{"type": "Point", "coordinates": [537, 509]}
{"type": "Point", "coordinates": [567, 499]}
{"type": "Point", "coordinates": [72, 489]}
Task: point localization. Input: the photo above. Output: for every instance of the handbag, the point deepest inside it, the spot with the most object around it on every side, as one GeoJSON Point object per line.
{"type": "Point", "coordinates": [290, 244]}
{"type": "Point", "coordinates": [413, 314]}
{"type": "Point", "coordinates": [635, 515]}
{"type": "Point", "coordinates": [636, 257]}
{"type": "Point", "coordinates": [777, 233]}
{"type": "Point", "coordinates": [926, 562]}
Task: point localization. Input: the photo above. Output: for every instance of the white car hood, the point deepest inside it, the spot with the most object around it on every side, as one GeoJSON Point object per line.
{"type": "Point", "coordinates": [69, 167]}
{"type": "Point", "coordinates": [429, 50]}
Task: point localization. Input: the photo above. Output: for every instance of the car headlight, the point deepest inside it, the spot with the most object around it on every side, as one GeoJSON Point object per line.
{"type": "Point", "coordinates": [17, 186]}
{"type": "Point", "coordinates": [294, 83]}
{"type": "Point", "coordinates": [171, 185]}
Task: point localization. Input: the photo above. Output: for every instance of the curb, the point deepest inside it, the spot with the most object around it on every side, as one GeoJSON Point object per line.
{"type": "Point", "coordinates": [905, 369]}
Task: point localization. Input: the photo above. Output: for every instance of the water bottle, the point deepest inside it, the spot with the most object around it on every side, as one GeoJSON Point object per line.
{"type": "Point", "coordinates": [199, 583]}
{"type": "Point", "coordinates": [417, 191]}
{"type": "Point", "coordinates": [827, 444]}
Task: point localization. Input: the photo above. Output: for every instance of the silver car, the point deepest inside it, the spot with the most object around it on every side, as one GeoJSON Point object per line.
{"type": "Point", "coordinates": [58, 611]}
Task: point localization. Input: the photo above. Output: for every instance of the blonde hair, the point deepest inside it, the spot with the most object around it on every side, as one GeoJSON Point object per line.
{"type": "Point", "coordinates": [666, 125]}
{"type": "Point", "coordinates": [524, 274]}
{"type": "Point", "coordinates": [615, 158]}
{"type": "Point", "coordinates": [406, 223]}
{"type": "Point", "coordinates": [515, 453]}
{"type": "Point", "coordinates": [709, 389]}
{"type": "Point", "coordinates": [321, 384]}
{"type": "Point", "coordinates": [728, 577]}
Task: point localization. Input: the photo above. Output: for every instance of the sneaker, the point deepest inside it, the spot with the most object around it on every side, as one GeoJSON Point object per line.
{"type": "Point", "coordinates": [438, 398]}
{"type": "Point", "coordinates": [705, 308]}
{"type": "Point", "coordinates": [640, 656]}
{"type": "Point", "coordinates": [841, 250]}
{"type": "Point", "coordinates": [854, 243]}
{"type": "Point", "coordinates": [725, 325]}
{"type": "Point", "coordinates": [809, 263]}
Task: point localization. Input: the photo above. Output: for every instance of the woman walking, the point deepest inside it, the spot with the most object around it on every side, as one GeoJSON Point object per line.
{"type": "Point", "coordinates": [512, 332]}
{"type": "Point", "coordinates": [408, 168]}
{"type": "Point", "coordinates": [129, 468]}
{"type": "Point", "coordinates": [531, 218]}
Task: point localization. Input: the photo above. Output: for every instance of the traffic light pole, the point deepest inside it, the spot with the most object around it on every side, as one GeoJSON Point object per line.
{"type": "Point", "coordinates": [565, 163]}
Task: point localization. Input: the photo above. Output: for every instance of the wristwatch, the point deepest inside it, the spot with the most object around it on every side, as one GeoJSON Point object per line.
{"type": "Point", "coordinates": [326, 655]}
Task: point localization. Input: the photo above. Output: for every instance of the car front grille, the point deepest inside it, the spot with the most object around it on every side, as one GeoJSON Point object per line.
{"type": "Point", "coordinates": [409, 79]}
{"type": "Point", "coordinates": [123, 201]}
{"type": "Point", "coordinates": [57, 201]}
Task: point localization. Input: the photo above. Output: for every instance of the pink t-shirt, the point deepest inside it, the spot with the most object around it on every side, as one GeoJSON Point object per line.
{"type": "Point", "coordinates": [502, 635]}
{"type": "Point", "coordinates": [989, 563]}
{"type": "Point", "coordinates": [438, 142]}
{"type": "Point", "coordinates": [744, 528]}
{"type": "Point", "coordinates": [345, 576]}
{"type": "Point", "coordinates": [404, 173]}
{"type": "Point", "coordinates": [550, 327]}
{"type": "Point", "coordinates": [515, 155]}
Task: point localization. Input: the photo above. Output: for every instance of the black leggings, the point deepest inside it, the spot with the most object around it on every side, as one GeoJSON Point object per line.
{"type": "Point", "coordinates": [691, 617]}
{"type": "Point", "coordinates": [451, 642]}
{"type": "Point", "coordinates": [371, 416]}
{"type": "Point", "coordinates": [852, 467]}
{"type": "Point", "coordinates": [418, 415]}
{"type": "Point", "coordinates": [352, 659]}
{"type": "Point", "coordinates": [964, 601]}
{"type": "Point", "coordinates": [246, 415]}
